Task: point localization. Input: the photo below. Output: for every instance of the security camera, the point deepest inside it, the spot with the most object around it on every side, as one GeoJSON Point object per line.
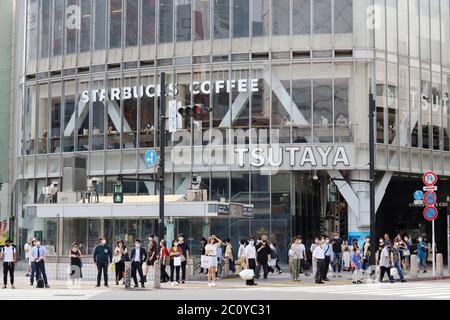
{"type": "Point", "coordinates": [196, 181]}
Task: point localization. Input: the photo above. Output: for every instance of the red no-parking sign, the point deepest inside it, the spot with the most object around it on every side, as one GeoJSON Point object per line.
{"type": "Point", "coordinates": [430, 213]}
{"type": "Point", "coordinates": [430, 198]}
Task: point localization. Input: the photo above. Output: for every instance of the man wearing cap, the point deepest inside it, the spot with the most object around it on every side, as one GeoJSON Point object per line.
{"type": "Point", "coordinates": [8, 254]}
{"type": "Point", "coordinates": [184, 255]}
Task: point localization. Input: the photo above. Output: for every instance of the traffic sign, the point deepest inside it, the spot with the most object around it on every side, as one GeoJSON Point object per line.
{"type": "Point", "coordinates": [151, 157]}
{"type": "Point", "coordinates": [430, 198]}
{"type": "Point", "coordinates": [430, 213]}
{"type": "Point", "coordinates": [429, 178]}
{"type": "Point", "coordinates": [430, 188]}
{"type": "Point", "coordinates": [418, 195]}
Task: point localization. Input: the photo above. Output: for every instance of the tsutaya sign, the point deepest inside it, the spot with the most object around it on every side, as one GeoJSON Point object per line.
{"type": "Point", "coordinates": [154, 90]}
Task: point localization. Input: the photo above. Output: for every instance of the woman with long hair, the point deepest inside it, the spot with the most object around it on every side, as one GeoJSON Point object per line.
{"type": "Point", "coordinates": [119, 258]}
{"type": "Point", "coordinates": [211, 251]}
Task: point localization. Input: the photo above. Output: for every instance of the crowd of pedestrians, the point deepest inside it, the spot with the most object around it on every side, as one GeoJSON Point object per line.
{"type": "Point", "coordinates": [257, 257]}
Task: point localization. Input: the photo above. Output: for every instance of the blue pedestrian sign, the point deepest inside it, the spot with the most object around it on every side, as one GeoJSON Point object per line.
{"type": "Point", "coordinates": [151, 157]}
{"type": "Point", "coordinates": [418, 195]}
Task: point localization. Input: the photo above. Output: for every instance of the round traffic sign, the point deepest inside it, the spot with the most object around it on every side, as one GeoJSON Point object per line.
{"type": "Point", "coordinates": [429, 178]}
{"type": "Point", "coordinates": [418, 195]}
{"type": "Point", "coordinates": [430, 198]}
{"type": "Point", "coordinates": [430, 213]}
{"type": "Point", "coordinates": [151, 157]}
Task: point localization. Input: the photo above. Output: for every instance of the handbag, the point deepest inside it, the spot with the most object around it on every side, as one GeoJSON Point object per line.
{"type": "Point", "coordinates": [116, 259]}
{"type": "Point", "coordinates": [291, 253]}
{"type": "Point", "coordinates": [247, 274]}
{"type": "Point", "coordinates": [183, 258]}
{"type": "Point", "coordinates": [205, 262]}
{"type": "Point", "coordinates": [394, 272]}
{"type": "Point", "coordinates": [177, 261]}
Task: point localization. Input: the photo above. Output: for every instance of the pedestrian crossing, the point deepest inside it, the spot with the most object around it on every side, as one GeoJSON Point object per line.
{"type": "Point", "coordinates": [418, 290]}
{"type": "Point", "coordinates": [47, 294]}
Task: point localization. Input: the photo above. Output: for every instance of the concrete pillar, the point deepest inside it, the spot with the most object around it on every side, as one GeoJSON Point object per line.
{"type": "Point", "coordinates": [170, 230]}
{"type": "Point", "coordinates": [413, 266]}
{"type": "Point", "coordinates": [157, 281]}
{"type": "Point", "coordinates": [439, 264]}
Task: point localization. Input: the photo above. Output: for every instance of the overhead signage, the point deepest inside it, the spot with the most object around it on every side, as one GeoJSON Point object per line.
{"type": "Point", "coordinates": [154, 90]}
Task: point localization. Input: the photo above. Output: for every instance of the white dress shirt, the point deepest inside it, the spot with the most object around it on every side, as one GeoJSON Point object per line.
{"type": "Point", "coordinates": [319, 253]}
{"type": "Point", "coordinates": [250, 252]}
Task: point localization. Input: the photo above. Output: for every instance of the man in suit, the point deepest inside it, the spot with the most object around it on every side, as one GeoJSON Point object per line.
{"type": "Point", "coordinates": [138, 257]}
{"type": "Point", "coordinates": [102, 257]}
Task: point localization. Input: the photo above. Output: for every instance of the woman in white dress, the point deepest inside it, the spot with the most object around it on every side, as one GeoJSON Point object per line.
{"type": "Point", "coordinates": [346, 255]}
{"type": "Point", "coordinates": [211, 252]}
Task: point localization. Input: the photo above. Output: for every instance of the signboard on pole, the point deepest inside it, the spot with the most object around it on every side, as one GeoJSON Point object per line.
{"type": "Point", "coordinates": [430, 213]}
{"type": "Point", "coordinates": [429, 178]}
{"type": "Point", "coordinates": [173, 114]}
{"type": "Point", "coordinates": [430, 198]}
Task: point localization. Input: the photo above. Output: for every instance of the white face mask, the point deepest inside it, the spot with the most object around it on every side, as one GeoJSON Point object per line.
{"type": "Point", "coordinates": [175, 244]}
{"type": "Point", "coordinates": [327, 241]}
{"type": "Point", "coordinates": [103, 242]}
{"type": "Point", "coordinates": [151, 239]}
{"type": "Point", "coordinates": [137, 245]}
{"type": "Point", "coordinates": [38, 243]}
{"type": "Point", "coordinates": [251, 242]}
{"type": "Point", "coordinates": [317, 241]}
{"type": "Point", "coordinates": [181, 239]}
{"type": "Point", "coordinates": [420, 239]}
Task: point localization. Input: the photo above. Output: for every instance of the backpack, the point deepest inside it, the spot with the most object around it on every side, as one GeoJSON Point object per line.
{"type": "Point", "coordinates": [40, 282]}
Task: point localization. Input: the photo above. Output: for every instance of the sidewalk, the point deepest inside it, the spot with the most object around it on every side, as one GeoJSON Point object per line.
{"type": "Point", "coordinates": [232, 281]}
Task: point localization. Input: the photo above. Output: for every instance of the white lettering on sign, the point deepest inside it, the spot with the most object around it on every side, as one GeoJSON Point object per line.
{"type": "Point", "coordinates": [73, 17]}
{"type": "Point", "coordinates": [204, 87]}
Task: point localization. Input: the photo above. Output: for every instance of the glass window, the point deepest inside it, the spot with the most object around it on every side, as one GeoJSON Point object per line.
{"type": "Point", "coordinates": [221, 102]}
{"type": "Point", "coordinates": [165, 21]}
{"type": "Point", "coordinates": [343, 16]}
{"type": "Point", "coordinates": [55, 117]}
{"type": "Point", "coordinates": [301, 96]}
{"type": "Point", "coordinates": [323, 102]}
{"type": "Point", "coordinates": [82, 109]}
{"type": "Point", "coordinates": [404, 94]}
{"type": "Point", "coordinates": [58, 13]}
{"type": "Point", "coordinates": [148, 21]}
{"type": "Point", "coordinates": [183, 20]}
{"type": "Point", "coordinates": [445, 26]}
{"type": "Point", "coordinates": [301, 16]}
{"type": "Point", "coordinates": [260, 198]}
{"type": "Point", "coordinates": [100, 25]}
{"type": "Point", "coordinates": [414, 28]}
{"type": "Point", "coordinates": [130, 113]}
{"type": "Point", "coordinates": [221, 19]}
{"type": "Point", "coordinates": [426, 101]}
{"type": "Point", "coordinates": [44, 31]}
{"type": "Point", "coordinates": [98, 119]}
{"type": "Point", "coordinates": [416, 129]}
{"type": "Point", "coordinates": [392, 102]}
{"type": "Point", "coordinates": [436, 32]}
{"type": "Point", "coordinates": [240, 18]}
{"type": "Point", "coordinates": [202, 20]}
{"type": "Point", "coordinates": [281, 17]}
{"type": "Point", "coordinates": [42, 119]}
{"type": "Point", "coordinates": [131, 32]}
{"type": "Point", "coordinates": [391, 25]}
{"type": "Point", "coordinates": [68, 113]}
{"type": "Point", "coordinates": [113, 124]}
{"type": "Point", "coordinates": [85, 32]}
{"type": "Point", "coordinates": [220, 183]}
{"type": "Point", "coordinates": [403, 35]}
{"type": "Point", "coordinates": [261, 18]}
{"type": "Point", "coordinates": [282, 108]}
{"type": "Point", "coordinates": [32, 26]}
{"type": "Point", "coordinates": [147, 126]}
{"type": "Point", "coordinates": [72, 25]}
{"type": "Point", "coordinates": [341, 109]}
{"type": "Point", "coordinates": [115, 24]}
{"type": "Point", "coordinates": [322, 16]}
{"type": "Point", "coordinates": [425, 29]}
{"type": "Point", "coordinates": [260, 100]}
{"type": "Point", "coordinates": [30, 116]}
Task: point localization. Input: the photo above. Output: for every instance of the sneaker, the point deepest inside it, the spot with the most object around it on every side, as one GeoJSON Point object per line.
{"type": "Point", "coordinates": [210, 284]}
{"type": "Point", "coordinates": [172, 283]}
{"type": "Point", "coordinates": [4, 287]}
{"type": "Point", "coordinates": [142, 286]}
{"type": "Point", "coordinates": [340, 275]}
{"type": "Point", "coordinates": [136, 286]}
{"type": "Point", "coordinates": [307, 274]}
{"type": "Point", "coordinates": [97, 286]}
{"type": "Point", "coordinates": [27, 275]}
{"type": "Point", "coordinates": [354, 282]}
{"type": "Point", "coordinates": [106, 286]}
{"type": "Point", "coordinates": [403, 280]}
{"type": "Point", "coordinates": [182, 282]}
{"type": "Point", "coordinates": [214, 284]}
{"type": "Point", "coordinates": [424, 271]}
{"type": "Point", "coordinates": [31, 284]}
{"type": "Point", "coordinates": [280, 272]}
{"type": "Point", "coordinates": [320, 282]}
{"type": "Point", "coordinates": [47, 286]}
{"type": "Point", "coordinates": [12, 286]}
{"type": "Point", "coordinates": [326, 279]}
{"type": "Point", "coordinates": [358, 282]}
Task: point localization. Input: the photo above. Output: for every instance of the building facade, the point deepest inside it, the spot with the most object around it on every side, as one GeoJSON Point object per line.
{"type": "Point", "coordinates": [289, 75]}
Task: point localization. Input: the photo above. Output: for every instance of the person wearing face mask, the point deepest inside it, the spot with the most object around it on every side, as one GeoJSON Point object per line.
{"type": "Point", "coordinates": [385, 261]}
{"type": "Point", "coordinates": [250, 255]}
{"type": "Point", "coordinates": [184, 256]}
{"type": "Point", "coordinates": [311, 249]}
{"type": "Point", "coordinates": [8, 254]}
{"type": "Point", "coordinates": [263, 257]}
{"type": "Point", "coordinates": [346, 255]}
{"type": "Point", "coordinates": [39, 253]}
{"type": "Point", "coordinates": [357, 265]}
{"type": "Point", "coordinates": [152, 255]}
{"type": "Point", "coordinates": [75, 263]}
{"type": "Point", "coordinates": [328, 251]}
{"type": "Point", "coordinates": [175, 262]}
{"type": "Point", "coordinates": [395, 258]}
{"type": "Point", "coordinates": [211, 251]}
{"type": "Point", "coordinates": [138, 257]}
{"type": "Point", "coordinates": [102, 257]}
{"type": "Point", "coordinates": [319, 258]}
{"type": "Point", "coordinates": [119, 257]}
{"type": "Point", "coordinates": [406, 252]}
{"type": "Point", "coordinates": [296, 255]}
{"type": "Point", "coordinates": [337, 255]}
{"type": "Point", "coordinates": [366, 254]}
{"type": "Point", "coordinates": [162, 257]}
{"type": "Point", "coordinates": [422, 253]}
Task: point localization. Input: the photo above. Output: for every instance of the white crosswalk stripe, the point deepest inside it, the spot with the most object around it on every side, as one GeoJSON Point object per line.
{"type": "Point", "coordinates": [439, 290]}
{"type": "Point", "coordinates": [47, 294]}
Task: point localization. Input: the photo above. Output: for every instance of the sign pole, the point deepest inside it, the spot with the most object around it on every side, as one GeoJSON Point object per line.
{"type": "Point", "coordinates": [448, 237]}
{"type": "Point", "coordinates": [162, 147]}
{"type": "Point", "coordinates": [434, 250]}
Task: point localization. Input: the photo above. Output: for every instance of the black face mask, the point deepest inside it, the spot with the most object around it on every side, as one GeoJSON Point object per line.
{"type": "Point", "coordinates": [7, 244]}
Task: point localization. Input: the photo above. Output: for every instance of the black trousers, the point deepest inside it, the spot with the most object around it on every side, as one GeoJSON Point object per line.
{"type": "Point", "coordinates": [251, 265]}
{"type": "Point", "coordinates": [102, 267]}
{"type": "Point", "coordinates": [265, 268]}
{"type": "Point", "coordinates": [319, 267]}
{"type": "Point", "coordinates": [326, 264]}
{"type": "Point", "coordinates": [164, 276]}
{"type": "Point", "coordinates": [177, 271]}
{"type": "Point", "coordinates": [8, 267]}
{"type": "Point", "coordinates": [137, 266]}
{"type": "Point", "coordinates": [120, 269]}
{"type": "Point", "coordinates": [384, 270]}
{"type": "Point", "coordinates": [183, 270]}
{"type": "Point", "coordinates": [40, 270]}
